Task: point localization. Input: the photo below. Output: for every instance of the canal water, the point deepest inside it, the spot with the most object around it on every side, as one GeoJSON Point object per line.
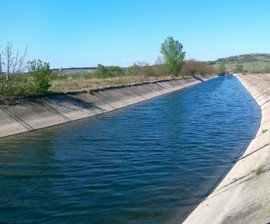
{"type": "Point", "coordinates": [148, 163]}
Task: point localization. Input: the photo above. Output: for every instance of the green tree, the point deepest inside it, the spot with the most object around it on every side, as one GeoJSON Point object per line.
{"type": "Point", "coordinates": [174, 55]}
{"type": "Point", "coordinates": [221, 69]}
{"type": "Point", "coordinates": [41, 75]}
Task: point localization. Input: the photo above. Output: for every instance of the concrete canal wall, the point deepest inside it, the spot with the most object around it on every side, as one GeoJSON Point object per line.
{"type": "Point", "coordinates": [58, 109]}
{"type": "Point", "coordinates": [244, 194]}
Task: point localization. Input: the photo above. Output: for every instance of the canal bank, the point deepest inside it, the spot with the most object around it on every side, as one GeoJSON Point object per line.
{"type": "Point", "coordinates": [243, 196]}
{"type": "Point", "coordinates": [58, 109]}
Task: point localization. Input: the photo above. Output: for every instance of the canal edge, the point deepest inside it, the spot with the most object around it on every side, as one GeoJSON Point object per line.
{"type": "Point", "coordinates": [243, 196]}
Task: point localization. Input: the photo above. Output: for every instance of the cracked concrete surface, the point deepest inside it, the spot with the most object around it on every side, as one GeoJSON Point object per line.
{"type": "Point", "coordinates": [243, 196]}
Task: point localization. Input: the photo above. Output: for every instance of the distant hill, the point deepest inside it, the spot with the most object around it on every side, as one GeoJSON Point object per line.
{"type": "Point", "coordinates": [252, 63]}
{"type": "Point", "coordinates": [245, 58]}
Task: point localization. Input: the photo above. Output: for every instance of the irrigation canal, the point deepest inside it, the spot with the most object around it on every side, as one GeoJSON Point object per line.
{"type": "Point", "coordinates": [148, 163]}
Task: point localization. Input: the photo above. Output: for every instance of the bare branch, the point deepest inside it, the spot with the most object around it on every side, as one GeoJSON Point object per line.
{"type": "Point", "coordinates": [14, 62]}
{"type": "Point", "coordinates": [11, 62]}
{"type": "Point", "coordinates": [21, 63]}
{"type": "Point", "coordinates": [8, 57]}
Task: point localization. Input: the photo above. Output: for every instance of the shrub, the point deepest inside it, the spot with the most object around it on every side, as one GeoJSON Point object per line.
{"type": "Point", "coordinates": [108, 71]}
{"type": "Point", "coordinates": [193, 67]}
{"type": "Point", "coordinates": [41, 76]}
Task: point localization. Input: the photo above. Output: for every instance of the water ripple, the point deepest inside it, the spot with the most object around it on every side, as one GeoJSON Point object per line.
{"type": "Point", "coordinates": [149, 163]}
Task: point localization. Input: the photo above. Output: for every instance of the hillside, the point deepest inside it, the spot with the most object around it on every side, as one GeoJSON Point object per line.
{"type": "Point", "coordinates": [251, 63]}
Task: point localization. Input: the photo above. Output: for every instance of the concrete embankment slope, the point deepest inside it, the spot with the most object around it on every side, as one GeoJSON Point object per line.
{"type": "Point", "coordinates": [244, 194]}
{"type": "Point", "coordinates": [59, 109]}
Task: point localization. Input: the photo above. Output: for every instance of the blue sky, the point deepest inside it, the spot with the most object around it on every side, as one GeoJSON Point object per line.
{"type": "Point", "coordinates": [70, 33]}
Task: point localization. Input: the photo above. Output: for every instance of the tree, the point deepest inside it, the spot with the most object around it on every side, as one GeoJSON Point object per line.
{"type": "Point", "coordinates": [11, 62]}
{"type": "Point", "coordinates": [41, 74]}
{"type": "Point", "coordinates": [221, 69]}
{"type": "Point", "coordinates": [173, 53]}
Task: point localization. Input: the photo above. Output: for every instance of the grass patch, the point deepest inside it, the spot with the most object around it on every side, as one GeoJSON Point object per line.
{"type": "Point", "coordinates": [80, 83]}
{"type": "Point", "coordinates": [258, 170]}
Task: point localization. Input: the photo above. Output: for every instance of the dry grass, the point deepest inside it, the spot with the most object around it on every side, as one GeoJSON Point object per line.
{"type": "Point", "coordinates": [72, 84]}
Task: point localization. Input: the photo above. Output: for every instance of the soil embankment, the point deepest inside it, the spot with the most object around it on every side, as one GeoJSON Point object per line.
{"type": "Point", "coordinates": [243, 196]}
{"type": "Point", "coordinates": [58, 109]}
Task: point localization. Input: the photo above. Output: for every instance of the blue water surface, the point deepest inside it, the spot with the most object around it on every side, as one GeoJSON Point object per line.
{"type": "Point", "coordinates": [148, 163]}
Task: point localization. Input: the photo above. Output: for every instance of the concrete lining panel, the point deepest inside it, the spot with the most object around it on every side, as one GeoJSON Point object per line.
{"type": "Point", "coordinates": [37, 115]}
{"type": "Point", "coordinates": [9, 125]}
{"type": "Point", "coordinates": [165, 89]}
{"type": "Point", "coordinates": [130, 97]}
{"type": "Point", "coordinates": [144, 91]}
{"type": "Point", "coordinates": [73, 109]}
{"type": "Point", "coordinates": [99, 104]}
{"type": "Point", "coordinates": [111, 98]}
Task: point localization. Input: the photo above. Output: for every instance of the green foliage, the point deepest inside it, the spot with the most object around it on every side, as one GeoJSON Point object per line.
{"type": "Point", "coordinates": [245, 58]}
{"type": "Point", "coordinates": [18, 85]}
{"type": "Point", "coordinates": [174, 55]}
{"type": "Point", "coordinates": [108, 71]}
{"type": "Point", "coordinates": [193, 67]}
{"type": "Point", "coordinates": [21, 85]}
{"type": "Point", "coordinates": [141, 69]}
{"type": "Point", "coordinates": [144, 69]}
{"type": "Point", "coordinates": [160, 70]}
{"type": "Point", "coordinates": [252, 63]}
{"type": "Point", "coordinates": [238, 68]}
{"type": "Point", "coordinates": [134, 70]}
{"type": "Point", "coordinates": [40, 71]}
{"type": "Point", "coordinates": [101, 69]}
{"type": "Point", "coordinates": [221, 69]}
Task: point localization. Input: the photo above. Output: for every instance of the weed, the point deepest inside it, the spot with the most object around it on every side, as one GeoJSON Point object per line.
{"type": "Point", "coordinates": [258, 170]}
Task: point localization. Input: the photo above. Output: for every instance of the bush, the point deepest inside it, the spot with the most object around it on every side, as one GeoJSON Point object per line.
{"type": "Point", "coordinates": [144, 69]}
{"type": "Point", "coordinates": [192, 67]}
{"type": "Point", "coordinates": [40, 73]}
{"type": "Point", "coordinates": [108, 71]}
{"type": "Point", "coordinates": [221, 68]}
{"type": "Point", "coordinates": [239, 68]}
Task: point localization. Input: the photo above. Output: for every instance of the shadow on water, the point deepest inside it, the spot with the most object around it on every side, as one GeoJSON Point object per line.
{"type": "Point", "coordinates": [148, 163]}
